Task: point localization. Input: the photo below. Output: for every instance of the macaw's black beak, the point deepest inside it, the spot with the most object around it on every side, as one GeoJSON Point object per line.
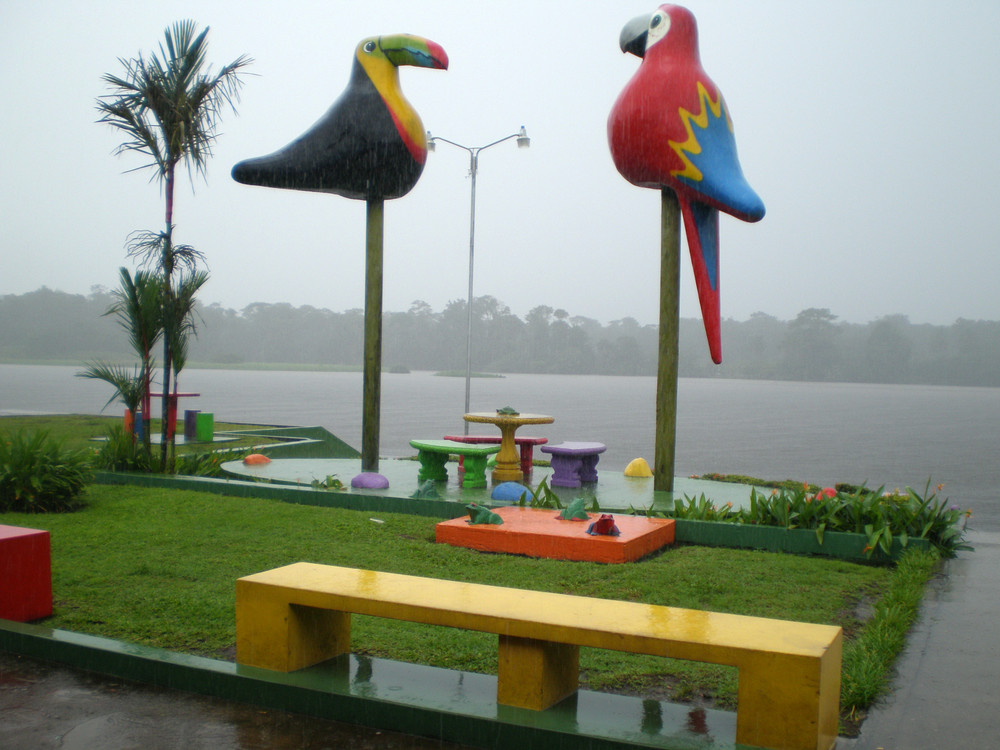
{"type": "Point", "coordinates": [633, 36]}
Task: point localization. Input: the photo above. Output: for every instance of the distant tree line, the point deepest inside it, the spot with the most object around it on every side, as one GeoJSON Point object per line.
{"type": "Point", "coordinates": [47, 325]}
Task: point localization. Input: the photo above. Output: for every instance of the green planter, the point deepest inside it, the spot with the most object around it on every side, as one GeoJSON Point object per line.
{"type": "Point", "coordinates": [839, 544]}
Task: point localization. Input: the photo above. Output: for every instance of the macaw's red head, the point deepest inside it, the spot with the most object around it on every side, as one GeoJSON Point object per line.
{"type": "Point", "coordinates": [670, 30]}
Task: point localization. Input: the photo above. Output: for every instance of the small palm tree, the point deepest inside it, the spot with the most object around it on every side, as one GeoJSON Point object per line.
{"type": "Point", "coordinates": [168, 106]}
{"type": "Point", "coordinates": [137, 305]}
{"type": "Point", "coordinates": [178, 326]}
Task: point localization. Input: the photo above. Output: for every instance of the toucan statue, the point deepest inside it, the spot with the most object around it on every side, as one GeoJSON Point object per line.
{"type": "Point", "coordinates": [370, 146]}
{"type": "Point", "coordinates": [671, 128]}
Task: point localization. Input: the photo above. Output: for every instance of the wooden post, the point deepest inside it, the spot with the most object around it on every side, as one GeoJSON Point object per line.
{"type": "Point", "coordinates": [666, 371]}
{"type": "Point", "coordinates": [373, 336]}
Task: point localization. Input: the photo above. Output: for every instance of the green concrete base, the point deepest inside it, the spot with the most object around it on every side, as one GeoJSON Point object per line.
{"type": "Point", "coordinates": [838, 544]}
{"type": "Point", "coordinates": [426, 701]}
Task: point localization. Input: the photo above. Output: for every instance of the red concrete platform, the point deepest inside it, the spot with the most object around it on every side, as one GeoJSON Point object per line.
{"type": "Point", "coordinates": [25, 574]}
{"type": "Point", "coordinates": [541, 533]}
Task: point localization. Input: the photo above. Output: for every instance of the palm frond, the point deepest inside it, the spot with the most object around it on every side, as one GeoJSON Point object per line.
{"type": "Point", "coordinates": [137, 305]}
{"type": "Point", "coordinates": [168, 104]}
{"type": "Point", "coordinates": [129, 386]}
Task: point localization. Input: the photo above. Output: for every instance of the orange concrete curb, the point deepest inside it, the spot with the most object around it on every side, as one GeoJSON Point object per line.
{"type": "Point", "coordinates": [541, 533]}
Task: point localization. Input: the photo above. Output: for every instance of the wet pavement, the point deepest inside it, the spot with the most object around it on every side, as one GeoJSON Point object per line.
{"type": "Point", "coordinates": [45, 706]}
{"type": "Point", "coordinates": [944, 693]}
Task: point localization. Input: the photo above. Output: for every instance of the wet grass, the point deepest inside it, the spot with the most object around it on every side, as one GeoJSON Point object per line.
{"type": "Point", "coordinates": [79, 430]}
{"type": "Point", "coordinates": [158, 567]}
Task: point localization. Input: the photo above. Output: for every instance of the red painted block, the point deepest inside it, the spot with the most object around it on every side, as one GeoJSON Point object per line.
{"type": "Point", "coordinates": [25, 574]}
{"type": "Point", "coordinates": [541, 533]}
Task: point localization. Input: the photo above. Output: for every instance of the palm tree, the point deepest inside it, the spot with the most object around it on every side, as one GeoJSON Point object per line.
{"type": "Point", "coordinates": [168, 107]}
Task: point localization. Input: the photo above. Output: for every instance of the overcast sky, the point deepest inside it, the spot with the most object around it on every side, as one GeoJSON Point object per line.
{"type": "Point", "coordinates": [869, 128]}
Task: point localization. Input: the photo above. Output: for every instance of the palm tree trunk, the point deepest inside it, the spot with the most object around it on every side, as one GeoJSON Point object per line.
{"type": "Point", "coordinates": [166, 264]}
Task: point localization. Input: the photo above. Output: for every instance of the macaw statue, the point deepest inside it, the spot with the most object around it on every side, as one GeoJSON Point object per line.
{"type": "Point", "coordinates": [671, 128]}
{"type": "Point", "coordinates": [371, 144]}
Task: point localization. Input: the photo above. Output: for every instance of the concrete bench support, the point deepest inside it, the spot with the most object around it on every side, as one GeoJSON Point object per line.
{"type": "Point", "coordinates": [433, 456]}
{"type": "Point", "coordinates": [789, 672]}
{"type": "Point", "coordinates": [574, 463]}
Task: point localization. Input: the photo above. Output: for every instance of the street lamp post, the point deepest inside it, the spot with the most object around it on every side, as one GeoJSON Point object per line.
{"type": "Point", "coordinates": [522, 142]}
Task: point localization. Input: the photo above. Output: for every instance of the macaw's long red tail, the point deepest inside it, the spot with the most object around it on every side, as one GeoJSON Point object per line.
{"type": "Point", "coordinates": [701, 225]}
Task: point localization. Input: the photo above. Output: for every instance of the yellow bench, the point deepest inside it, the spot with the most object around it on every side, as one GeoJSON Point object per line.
{"type": "Point", "coordinates": [789, 672]}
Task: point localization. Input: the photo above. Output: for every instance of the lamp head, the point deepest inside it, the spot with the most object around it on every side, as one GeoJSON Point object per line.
{"type": "Point", "coordinates": [523, 141]}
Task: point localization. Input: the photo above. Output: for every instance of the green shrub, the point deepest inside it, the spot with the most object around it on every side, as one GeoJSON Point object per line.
{"type": "Point", "coordinates": [38, 476]}
{"type": "Point", "coordinates": [121, 451]}
{"type": "Point", "coordinates": [880, 516]}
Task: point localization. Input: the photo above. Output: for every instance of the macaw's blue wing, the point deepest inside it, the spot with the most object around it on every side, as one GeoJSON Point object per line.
{"type": "Point", "coordinates": [701, 226]}
{"type": "Point", "coordinates": [714, 171]}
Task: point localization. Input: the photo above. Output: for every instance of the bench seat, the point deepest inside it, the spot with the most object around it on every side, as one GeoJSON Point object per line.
{"type": "Point", "coordinates": [525, 443]}
{"type": "Point", "coordinates": [433, 455]}
{"type": "Point", "coordinates": [789, 672]}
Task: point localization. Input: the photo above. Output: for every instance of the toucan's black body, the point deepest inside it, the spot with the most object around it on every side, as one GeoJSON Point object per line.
{"type": "Point", "coordinates": [354, 150]}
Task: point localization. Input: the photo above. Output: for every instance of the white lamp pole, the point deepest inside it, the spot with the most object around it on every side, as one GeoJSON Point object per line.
{"type": "Point", "coordinates": [522, 142]}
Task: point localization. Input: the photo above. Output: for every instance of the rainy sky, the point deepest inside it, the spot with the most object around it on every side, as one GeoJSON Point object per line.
{"type": "Point", "coordinates": [869, 128]}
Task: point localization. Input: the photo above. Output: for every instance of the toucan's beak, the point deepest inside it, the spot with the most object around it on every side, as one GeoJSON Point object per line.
{"type": "Point", "coordinates": [633, 36]}
{"type": "Point", "coordinates": [406, 49]}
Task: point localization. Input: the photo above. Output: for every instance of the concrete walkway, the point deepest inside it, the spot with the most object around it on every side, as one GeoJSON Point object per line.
{"type": "Point", "coordinates": [945, 693]}
{"type": "Point", "coordinates": [50, 707]}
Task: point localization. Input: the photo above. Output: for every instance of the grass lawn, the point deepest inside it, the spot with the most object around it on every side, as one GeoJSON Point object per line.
{"type": "Point", "coordinates": [158, 567]}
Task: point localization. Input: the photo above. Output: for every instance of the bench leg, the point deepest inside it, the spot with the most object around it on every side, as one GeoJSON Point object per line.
{"type": "Point", "coordinates": [527, 458]}
{"type": "Point", "coordinates": [475, 472]}
{"type": "Point", "coordinates": [432, 466]}
{"type": "Point", "coordinates": [272, 634]}
{"type": "Point", "coordinates": [588, 468]}
{"type": "Point", "coordinates": [565, 471]}
{"type": "Point", "coordinates": [790, 703]}
{"type": "Point", "coordinates": [536, 674]}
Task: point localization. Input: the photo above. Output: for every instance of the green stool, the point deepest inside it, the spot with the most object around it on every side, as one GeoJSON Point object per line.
{"type": "Point", "coordinates": [433, 455]}
{"type": "Point", "coordinates": [204, 427]}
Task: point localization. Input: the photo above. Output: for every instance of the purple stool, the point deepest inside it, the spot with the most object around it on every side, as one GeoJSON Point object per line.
{"type": "Point", "coordinates": [574, 463]}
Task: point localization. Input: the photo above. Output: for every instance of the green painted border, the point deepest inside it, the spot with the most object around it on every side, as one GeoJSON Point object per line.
{"type": "Point", "coordinates": [300, 442]}
{"type": "Point", "coordinates": [325, 691]}
{"type": "Point", "coordinates": [838, 544]}
{"type": "Point", "coordinates": [289, 494]}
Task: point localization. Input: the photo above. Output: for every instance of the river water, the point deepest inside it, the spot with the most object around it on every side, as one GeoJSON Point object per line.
{"type": "Point", "coordinates": [892, 435]}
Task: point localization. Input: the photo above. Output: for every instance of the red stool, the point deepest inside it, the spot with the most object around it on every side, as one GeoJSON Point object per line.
{"type": "Point", "coordinates": [25, 574]}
